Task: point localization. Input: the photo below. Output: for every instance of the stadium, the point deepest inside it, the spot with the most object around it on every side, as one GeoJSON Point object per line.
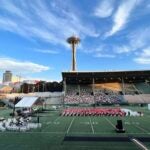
{"type": "Point", "coordinates": [95, 110]}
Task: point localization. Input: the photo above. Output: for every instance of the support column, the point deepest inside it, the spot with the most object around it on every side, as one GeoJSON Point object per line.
{"type": "Point", "coordinates": [123, 88]}
{"type": "Point", "coordinates": [93, 90]}
{"type": "Point", "coordinates": [64, 89]}
{"type": "Point", "coordinates": [79, 91]}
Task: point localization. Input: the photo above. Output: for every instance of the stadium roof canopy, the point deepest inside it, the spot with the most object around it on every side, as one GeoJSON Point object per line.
{"type": "Point", "coordinates": [105, 76]}
{"type": "Point", "coordinates": [26, 102]}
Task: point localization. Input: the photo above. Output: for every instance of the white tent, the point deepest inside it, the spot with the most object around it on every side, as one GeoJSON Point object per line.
{"type": "Point", "coordinates": [26, 102]}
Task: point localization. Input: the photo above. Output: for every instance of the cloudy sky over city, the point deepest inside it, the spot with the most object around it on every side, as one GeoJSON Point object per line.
{"type": "Point", "coordinates": [115, 35]}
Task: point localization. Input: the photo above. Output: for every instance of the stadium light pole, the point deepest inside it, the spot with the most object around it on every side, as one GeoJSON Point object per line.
{"type": "Point", "coordinates": [73, 41]}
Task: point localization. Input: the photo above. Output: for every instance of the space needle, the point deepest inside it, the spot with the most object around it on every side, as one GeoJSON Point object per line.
{"type": "Point", "coordinates": [73, 41]}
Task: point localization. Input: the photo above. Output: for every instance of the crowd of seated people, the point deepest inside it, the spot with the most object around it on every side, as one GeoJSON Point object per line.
{"type": "Point", "coordinates": [76, 96]}
{"type": "Point", "coordinates": [72, 95]}
{"type": "Point", "coordinates": [85, 95]}
{"type": "Point", "coordinates": [107, 96]}
{"type": "Point", "coordinates": [72, 98]}
{"type": "Point", "coordinates": [93, 112]}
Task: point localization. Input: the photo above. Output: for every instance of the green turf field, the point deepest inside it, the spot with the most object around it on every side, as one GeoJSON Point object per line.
{"type": "Point", "coordinates": [56, 127]}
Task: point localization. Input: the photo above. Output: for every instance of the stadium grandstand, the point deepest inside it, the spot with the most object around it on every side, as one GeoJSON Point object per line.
{"type": "Point", "coordinates": [112, 87]}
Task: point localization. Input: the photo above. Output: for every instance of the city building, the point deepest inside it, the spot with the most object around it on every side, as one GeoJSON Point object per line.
{"type": "Point", "coordinates": [7, 76]}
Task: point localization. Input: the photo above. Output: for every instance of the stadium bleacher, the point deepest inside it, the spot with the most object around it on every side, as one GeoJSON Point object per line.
{"type": "Point", "coordinates": [143, 87]}
{"type": "Point", "coordinates": [72, 96]}
{"type": "Point", "coordinates": [106, 87]}
{"type": "Point", "coordinates": [130, 89]}
{"type": "Point", "coordinates": [87, 95]}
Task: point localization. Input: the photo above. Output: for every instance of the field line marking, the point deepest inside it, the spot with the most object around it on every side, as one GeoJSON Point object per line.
{"type": "Point", "coordinates": [146, 120]}
{"type": "Point", "coordinates": [56, 119]}
{"type": "Point", "coordinates": [140, 144]}
{"type": "Point", "coordinates": [49, 123]}
{"type": "Point", "coordinates": [53, 121]}
{"type": "Point", "coordinates": [91, 125]}
{"type": "Point", "coordinates": [110, 122]}
{"type": "Point", "coordinates": [70, 125]}
{"type": "Point", "coordinates": [142, 129]}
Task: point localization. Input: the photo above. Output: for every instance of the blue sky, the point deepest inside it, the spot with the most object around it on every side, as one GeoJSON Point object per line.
{"type": "Point", "coordinates": [115, 35]}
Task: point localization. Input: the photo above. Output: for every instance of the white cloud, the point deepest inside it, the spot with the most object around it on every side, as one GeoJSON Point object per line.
{"type": "Point", "coordinates": [104, 9]}
{"type": "Point", "coordinates": [140, 38]}
{"type": "Point", "coordinates": [20, 66]}
{"type": "Point", "coordinates": [144, 57]}
{"type": "Point", "coordinates": [148, 6]}
{"type": "Point", "coordinates": [122, 49]}
{"type": "Point", "coordinates": [99, 55]}
{"type": "Point", "coordinates": [11, 8]}
{"type": "Point", "coordinates": [46, 51]}
{"type": "Point", "coordinates": [142, 60]}
{"type": "Point", "coordinates": [122, 15]}
{"type": "Point", "coordinates": [136, 41]}
{"type": "Point", "coordinates": [100, 51]}
{"type": "Point", "coordinates": [35, 78]}
{"type": "Point", "coordinates": [38, 21]}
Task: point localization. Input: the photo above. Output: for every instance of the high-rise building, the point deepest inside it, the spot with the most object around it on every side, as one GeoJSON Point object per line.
{"type": "Point", "coordinates": [7, 76]}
